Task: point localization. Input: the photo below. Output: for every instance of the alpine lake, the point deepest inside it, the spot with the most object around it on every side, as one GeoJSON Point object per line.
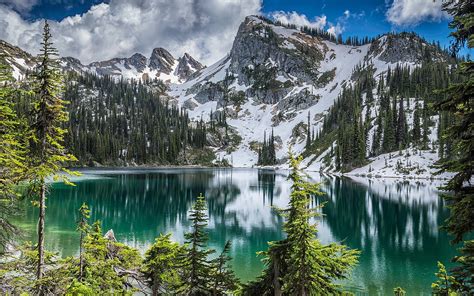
{"type": "Point", "coordinates": [394, 222]}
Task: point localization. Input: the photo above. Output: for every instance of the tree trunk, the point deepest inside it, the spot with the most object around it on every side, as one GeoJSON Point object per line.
{"type": "Point", "coordinates": [81, 260]}
{"type": "Point", "coordinates": [276, 277]}
{"type": "Point", "coordinates": [40, 271]}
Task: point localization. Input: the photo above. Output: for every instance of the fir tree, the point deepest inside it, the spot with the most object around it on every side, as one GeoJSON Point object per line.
{"type": "Point", "coordinates": [47, 154]}
{"type": "Point", "coordinates": [416, 132]}
{"type": "Point", "coordinates": [161, 265]}
{"type": "Point", "coordinates": [12, 152]}
{"type": "Point", "coordinates": [224, 281]}
{"type": "Point", "coordinates": [83, 227]}
{"type": "Point", "coordinates": [196, 266]}
{"type": "Point", "coordinates": [300, 264]}
{"type": "Point", "coordinates": [460, 103]}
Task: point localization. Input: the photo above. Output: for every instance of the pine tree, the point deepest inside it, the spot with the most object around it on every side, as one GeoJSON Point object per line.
{"type": "Point", "coordinates": [460, 104]}
{"type": "Point", "coordinates": [308, 133]}
{"type": "Point", "coordinates": [83, 227]}
{"type": "Point", "coordinates": [416, 133]}
{"type": "Point", "coordinates": [300, 264]}
{"type": "Point", "coordinates": [224, 281]}
{"type": "Point", "coordinates": [196, 266]}
{"type": "Point", "coordinates": [162, 265]}
{"type": "Point", "coordinates": [47, 153]}
{"type": "Point", "coordinates": [12, 152]}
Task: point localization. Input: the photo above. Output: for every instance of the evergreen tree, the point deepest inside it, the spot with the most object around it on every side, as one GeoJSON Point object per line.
{"type": "Point", "coordinates": [12, 152]}
{"type": "Point", "coordinates": [83, 227]}
{"type": "Point", "coordinates": [161, 265]}
{"type": "Point", "coordinates": [416, 132]}
{"type": "Point", "coordinates": [308, 133]}
{"type": "Point", "coordinates": [196, 266]}
{"type": "Point", "coordinates": [460, 104]}
{"type": "Point", "coordinates": [47, 154]}
{"type": "Point", "coordinates": [224, 281]}
{"type": "Point", "coordinates": [300, 264]}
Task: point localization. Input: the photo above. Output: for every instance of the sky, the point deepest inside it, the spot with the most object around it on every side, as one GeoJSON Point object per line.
{"type": "Point", "coordinates": [94, 30]}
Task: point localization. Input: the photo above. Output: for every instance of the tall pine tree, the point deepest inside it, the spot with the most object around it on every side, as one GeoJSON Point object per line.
{"type": "Point", "coordinates": [47, 153]}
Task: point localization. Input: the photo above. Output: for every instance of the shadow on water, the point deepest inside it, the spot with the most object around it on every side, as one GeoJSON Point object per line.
{"type": "Point", "coordinates": [395, 224]}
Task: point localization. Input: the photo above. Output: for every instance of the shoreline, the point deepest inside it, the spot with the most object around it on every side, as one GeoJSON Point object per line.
{"type": "Point", "coordinates": [275, 168]}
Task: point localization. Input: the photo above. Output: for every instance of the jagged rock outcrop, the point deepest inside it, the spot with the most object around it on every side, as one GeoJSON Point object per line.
{"type": "Point", "coordinates": [405, 48]}
{"type": "Point", "coordinates": [187, 66]}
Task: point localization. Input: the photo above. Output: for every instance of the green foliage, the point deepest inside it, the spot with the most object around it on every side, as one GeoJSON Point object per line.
{"type": "Point", "coordinates": [464, 270]}
{"type": "Point", "coordinates": [119, 123]}
{"type": "Point", "coordinates": [195, 264]}
{"type": "Point", "coordinates": [300, 264]}
{"type": "Point", "coordinates": [12, 153]}
{"type": "Point", "coordinates": [444, 283]}
{"type": "Point", "coordinates": [161, 264]}
{"type": "Point", "coordinates": [107, 262]}
{"type": "Point", "coordinates": [266, 153]}
{"type": "Point", "coordinates": [459, 103]}
{"type": "Point", "coordinates": [398, 291]}
{"type": "Point", "coordinates": [224, 280]}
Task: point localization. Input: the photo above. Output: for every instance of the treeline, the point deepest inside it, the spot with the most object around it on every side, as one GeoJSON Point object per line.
{"type": "Point", "coordinates": [126, 122]}
{"type": "Point", "coordinates": [266, 153]}
{"type": "Point", "coordinates": [351, 40]}
{"type": "Point", "coordinates": [363, 126]}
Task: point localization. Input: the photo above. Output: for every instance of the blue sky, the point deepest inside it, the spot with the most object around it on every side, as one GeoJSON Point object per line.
{"type": "Point", "coordinates": [205, 28]}
{"type": "Point", "coordinates": [368, 16]}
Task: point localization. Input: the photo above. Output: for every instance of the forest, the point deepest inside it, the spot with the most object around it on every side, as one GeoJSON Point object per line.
{"type": "Point", "coordinates": [39, 141]}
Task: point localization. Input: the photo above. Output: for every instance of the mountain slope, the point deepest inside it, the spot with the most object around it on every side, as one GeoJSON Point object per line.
{"type": "Point", "coordinates": [274, 77]}
{"type": "Point", "coordinates": [293, 84]}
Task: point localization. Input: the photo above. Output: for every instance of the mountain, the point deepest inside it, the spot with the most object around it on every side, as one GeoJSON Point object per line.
{"type": "Point", "coordinates": [275, 76]}
{"type": "Point", "coordinates": [160, 65]}
{"type": "Point", "coordinates": [335, 103]}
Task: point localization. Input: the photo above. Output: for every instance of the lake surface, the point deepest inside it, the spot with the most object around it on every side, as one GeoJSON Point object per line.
{"type": "Point", "coordinates": [394, 222]}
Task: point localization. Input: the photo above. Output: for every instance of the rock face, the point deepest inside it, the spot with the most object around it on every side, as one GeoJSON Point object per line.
{"type": "Point", "coordinates": [405, 48]}
{"type": "Point", "coordinates": [161, 60]}
{"type": "Point", "coordinates": [267, 61]}
{"type": "Point", "coordinates": [187, 66]}
{"type": "Point", "coordinates": [160, 65]}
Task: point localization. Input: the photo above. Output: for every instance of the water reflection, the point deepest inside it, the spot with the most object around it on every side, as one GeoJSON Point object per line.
{"type": "Point", "coordinates": [394, 223]}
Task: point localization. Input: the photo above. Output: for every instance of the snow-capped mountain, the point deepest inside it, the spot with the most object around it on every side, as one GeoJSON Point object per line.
{"type": "Point", "coordinates": [272, 78]}
{"type": "Point", "coordinates": [160, 65]}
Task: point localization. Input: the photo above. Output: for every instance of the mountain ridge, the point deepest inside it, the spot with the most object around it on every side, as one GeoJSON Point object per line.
{"type": "Point", "coordinates": [276, 78]}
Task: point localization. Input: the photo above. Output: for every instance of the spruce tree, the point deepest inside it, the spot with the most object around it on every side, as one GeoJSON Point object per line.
{"type": "Point", "coordinates": [224, 281]}
{"type": "Point", "coordinates": [196, 266]}
{"type": "Point", "coordinates": [47, 153]}
{"type": "Point", "coordinates": [83, 227]}
{"type": "Point", "coordinates": [460, 104]}
{"type": "Point", "coordinates": [162, 265]}
{"type": "Point", "coordinates": [300, 264]}
{"type": "Point", "coordinates": [12, 152]}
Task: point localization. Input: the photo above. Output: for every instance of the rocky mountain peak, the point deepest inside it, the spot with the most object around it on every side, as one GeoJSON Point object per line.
{"type": "Point", "coordinates": [161, 60]}
{"type": "Point", "coordinates": [406, 47]}
{"type": "Point", "coordinates": [187, 66]}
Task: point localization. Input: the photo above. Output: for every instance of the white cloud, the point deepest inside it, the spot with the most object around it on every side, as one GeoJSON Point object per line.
{"type": "Point", "coordinates": [203, 28]}
{"type": "Point", "coordinates": [20, 5]}
{"type": "Point", "coordinates": [335, 29]}
{"type": "Point", "coordinates": [319, 22]}
{"type": "Point", "coordinates": [412, 12]}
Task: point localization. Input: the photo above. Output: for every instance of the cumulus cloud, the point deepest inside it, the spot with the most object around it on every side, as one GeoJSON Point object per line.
{"type": "Point", "coordinates": [301, 20]}
{"type": "Point", "coordinates": [412, 12]}
{"type": "Point", "coordinates": [203, 28]}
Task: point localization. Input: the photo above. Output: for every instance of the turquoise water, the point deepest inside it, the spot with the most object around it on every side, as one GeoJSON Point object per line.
{"type": "Point", "coordinates": [394, 223]}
